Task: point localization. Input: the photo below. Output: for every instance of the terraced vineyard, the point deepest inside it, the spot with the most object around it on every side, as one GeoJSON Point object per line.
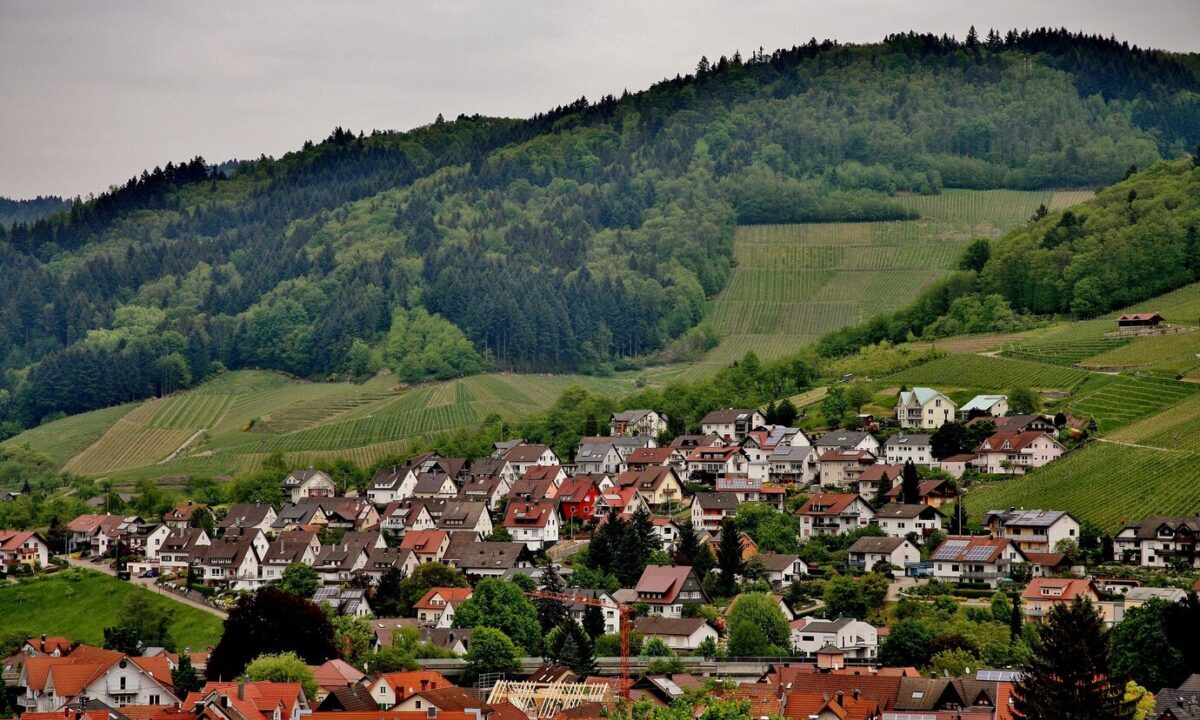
{"type": "Point", "coordinates": [130, 442]}
{"type": "Point", "coordinates": [1128, 398]}
{"type": "Point", "coordinates": [1175, 354]}
{"type": "Point", "coordinates": [1065, 352]}
{"type": "Point", "coordinates": [1177, 428]}
{"type": "Point", "coordinates": [795, 282]}
{"type": "Point", "coordinates": [981, 371]}
{"type": "Point", "coordinates": [1179, 307]}
{"type": "Point", "coordinates": [1106, 483]}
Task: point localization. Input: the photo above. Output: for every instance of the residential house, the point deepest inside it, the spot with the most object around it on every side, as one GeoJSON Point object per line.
{"type": "Point", "coordinates": [459, 515]}
{"type": "Point", "coordinates": [231, 561]}
{"type": "Point", "coordinates": [289, 548]}
{"type": "Point", "coordinates": [975, 559]}
{"type": "Point", "coordinates": [539, 482]}
{"type": "Point", "coordinates": [347, 513]}
{"type": "Point", "coordinates": [428, 545]}
{"type": "Point", "coordinates": [958, 464]}
{"type": "Point", "coordinates": [154, 540]}
{"type": "Point", "coordinates": [924, 407]}
{"type": "Point", "coordinates": [485, 489]}
{"type": "Point", "coordinates": [609, 609]}
{"type": "Point", "coordinates": [732, 424]}
{"type": "Point", "coordinates": [685, 443]}
{"type": "Point", "coordinates": [22, 547]}
{"type": "Point", "coordinates": [1139, 320]}
{"type": "Point", "coordinates": [180, 516]}
{"type": "Point", "coordinates": [339, 563]}
{"type": "Point", "coordinates": [523, 456]}
{"type": "Point", "coordinates": [847, 440]}
{"type": "Point", "coordinates": [667, 531]}
{"type": "Point", "coordinates": [666, 589]}
{"type": "Point", "coordinates": [380, 560]}
{"type": "Point", "coordinates": [782, 569]}
{"type": "Point", "coordinates": [964, 697]}
{"type": "Point", "coordinates": [659, 486]}
{"type": "Point", "coordinates": [390, 484]}
{"type": "Point", "coordinates": [623, 501]}
{"type": "Point", "coordinates": [50, 683]}
{"type": "Point", "coordinates": [985, 406]}
{"type": "Point", "coordinates": [258, 516]}
{"type": "Point", "coordinates": [487, 559]}
{"type": "Point", "coordinates": [577, 498]}
{"type": "Point", "coordinates": [760, 444]}
{"type": "Point", "coordinates": [1160, 541]}
{"type": "Point", "coordinates": [649, 457]}
{"type": "Point", "coordinates": [628, 423]}
{"type": "Point", "coordinates": [932, 492]}
{"type": "Point", "coordinates": [868, 552]}
{"type": "Point", "coordinates": [595, 458]}
{"type": "Point", "coordinates": [841, 468]}
{"type": "Point", "coordinates": [793, 464]}
{"type": "Point", "coordinates": [709, 509]}
{"type": "Point", "coordinates": [1032, 530]}
{"type": "Point", "coordinates": [301, 516]}
{"type": "Point", "coordinates": [348, 601]}
{"type": "Point", "coordinates": [901, 448]}
{"type": "Point", "coordinates": [174, 554]}
{"type": "Point", "coordinates": [445, 699]}
{"type": "Point", "coordinates": [309, 483]}
{"type": "Point", "coordinates": [833, 514]}
{"type": "Point", "coordinates": [434, 485]}
{"type": "Point", "coordinates": [1042, 594]}
{"type": "Point", "coordinates": [534, 523]}
{"type": "Point", "coordinates": [836, 706]}
{"type": "Point", "coordinates": [748, 489]}
{"type": "Point", "coordinates": [400, 517]}
{"type": "Point", "coordinates": [391, 688]}
{"type": "Point", "coordinates": [707, 463]}
{"type": "Point", "coordinates": [899, 520]}
{"type": "Point", "coordinates": [878, 478]}
{"type": "Point", "coordinates": [436, 606]}
{"type": "Point", "coordinates": [713, 541]}
{"type": "Point", "coordinates": [855, 638]}
{"type": "Point", "coordinates": [1017, 453]}
{"type": "Point", "coordinates": [677, 633]}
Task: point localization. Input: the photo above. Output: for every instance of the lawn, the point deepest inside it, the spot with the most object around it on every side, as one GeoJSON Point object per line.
{"type": "Point", "coordinates": [81, 603]}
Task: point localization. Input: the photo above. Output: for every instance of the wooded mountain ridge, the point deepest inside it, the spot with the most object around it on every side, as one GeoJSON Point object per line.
{"type": "Point", "coordinates": [572, 240]}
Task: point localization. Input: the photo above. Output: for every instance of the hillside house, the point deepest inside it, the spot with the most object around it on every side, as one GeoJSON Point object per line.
{"type": "Point", "coordinates": [433, 485]}
{"type": "Point", "coordinates": [241, 516]}
{"type": "Point", "coordinates": [1017, 453]}
{"type": "Point", "coordinates": [667, 531]}
{"type": "Point", "coordinates": [577, 498]}
{"type": "Point", "coordinates": [901, 448]}
{"type": "Point", "coordinates": [659, 485]}
{"type": "Point", "coordinates": [340, 563]}
{"type": "Point", "coordinates": [180, 516]}
{"type": "Point", "coordinates": [427, 545]}
{"type": "Point", "coordinates": [707, 463]}
{"type": "Point", "coordinates": [932, 492]}
{"type": "Point", "coordinates": [1018, 424]}
{"type": "Point", "coordinates": [848, 440]}
{"type": "Point", "coordinates": [231, 561]}
{"type": "Point", "coordinates": [391, 688]}
{"type": "Point", "coordinates": [676, 633]}
{"type": "Point", "coordinates": [488, 559]}
{"type": "Point", "coordinates": [534, 523]}
{"type": "Point", "coordinates": [629, 423]}
{"type": "Point", "coordinates": [436, 606]}
{"type": "Point", "coordinates": [1041, 595]}
{"type": "Point", "coordinates": [878, 478]}
{"type": "Point", "coordinates": [709, 509]}
{"type": "Point", "coordinates": [1139, 320]}
{"type": "Point", "coordinates": [1160, 541]}
{"type": "Point", "coordinates": [524, 456]}
{"type": "Point", "coordinates": [855, 638]}
{"type": "Point", "coordinates": [598, 458]}
{"type": "Point", "coordinates": [667, 589]}
{"type": "Point", "coordinates": [609, 610]}
{"type": "Point", "coordinates": [380, 560]}
{"type": "Point", "coordinates": [753, 490]}
{"type": "Point", "coordinates": [868, 552]}
{"type": "Point", "coordinates": [793, 464]}
{"type": "Point", "coordinates": [539, 482]}
{"type": "Point", "coordinates": [391, 483]}
{"type": "Point", "coordinates": [299, 547]}
{"type": "Point", "coordinates": [400, 517]}
{"type": "Point", "coordinates": [899, 520]}
{"type": "Point", "coordinates": [841, 468]}
{"type": "Point", "coordinates": [833, 514]}
{"type": "Point", "coordinates": [782, 570]}
{"type": "Point", "coordinates": [925, 408]}
{"type": "Point", "coordinates": [732, 424]}
{"type": "Point", "coordinates": [464, 515]}
{"type": "Point", "coordinates": [1032, 530]}
{"type": "Point", "coordinates": [174, 553]}
{"type": "Point", "coordinates": [995, 406]}
{"type": "Point", "coordinates": [487, 490]}
{"type": "Point", "coordinates": [50, 683]}
{"type": "Point", "coordinates": [621, 501]}
{"type": "Point", "coordinates": [22, 547]}
{"type": "Point", "coordinates": [309, 483]}
{"type": "Point", "coordinates": [644, 458]}
{"type": "Point", "coordinates": [957, 465]}
{"type": "Point", "coordinates": [975, 559]}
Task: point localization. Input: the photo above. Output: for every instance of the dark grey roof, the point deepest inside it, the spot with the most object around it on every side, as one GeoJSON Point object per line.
{"type": "Point", "coordinates": [724, 417]}
{"type": "Point", "coordinates": [1147, 529]}
{"type": "Point", "coordinates": [896, 510]}
{"type": "Point", "coordinates": [1183, 704]}
{"type": "Point", "coordinates": [1025, 518]}
{"type": "Point", "coordinates": [885, 545]}
{"type": "Point", "coordinates": [714, 500]}
{"type": "Point", "coordinates": [842, 438]}
{"type": "Point", "coordinates": [776, 563]}
{"type": "Point", "coordinates": [907, 440]}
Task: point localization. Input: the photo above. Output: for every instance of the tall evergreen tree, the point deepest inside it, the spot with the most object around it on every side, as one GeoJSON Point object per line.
{"type": "Point", "coordinates": [910, 484]}
{"type": "Point", "coordinates": [593, 621]}
{"type": "Point", "coordinates": [1068, 676]}
{"type": "Point", "coordinates": [551, 613]}
{"type": "Point", "coordinates": [1016, 618]}
{"type": "Point", "coordinates": [729, 557]}
{"type": "Point", "coordinates": [691, 552]}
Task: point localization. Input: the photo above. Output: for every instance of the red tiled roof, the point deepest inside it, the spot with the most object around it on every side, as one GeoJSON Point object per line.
{"type": "Point", "coordinates": [997, 545]}
{"type": "Point", "coordinates": [1070, 588]}
{"type": "Point", "coordinates": [834, 503]}
{"type": "Point", "coordinates": [423, 541]}
{"type": "Point", "coordinates": [527, 514]}
{"type": "Point", "coordinates": [406, 683]}
{"type": "Point", "coordinates": [1017, 441]}
{"type": "Point", "coordinates": [1140, 316]}
{"type": "Point", "coordinates": [389, 715]}
{"type": "Point", "coordinates": [650, 456]}
{"type": "Point", "coordinates": [805, 705]}
{"type": "Point", "coordinates": [448, 594]}
{"type": "Point", "coordinates": [662, 579]}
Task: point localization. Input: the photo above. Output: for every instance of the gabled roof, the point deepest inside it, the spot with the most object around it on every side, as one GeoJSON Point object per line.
{"type": "Point", "coordinates": [972, 548]}
{"type": "Point", "coordinates": [842, 438]}
{"type": "Point", "coordinates": [880, 471]}
{"type": "Point", "coordinates": [716, 500]}
{"type": "Point", "coordinates": [982, 402]}
{"type": "Point", "coordinates": [650, 478]}
{"type": "Point", "coordinates": [525, 453]}
{"type": "Point", "coordinates": [926, 488]}
{"type": "Point", "coordinates": [1148, 528]}
{"type": "Point", "coordinates": [776, 562]}
{"type": "Point", "coordinates": [849, 456]}
{"type": "Point", "coordinates": [725, 417]}
{"type": "Point", "coordinates": [921, 394]}
{"type": "Point", "coordinates": [676, 627]}
{"type": "Point", "coordinates": [629, 416]}
{"type": "Point", "coordinates": [902, 512]}
{"type": "Point", "coordinates": [246, 515]}
{"type": "Point", "coordinates": [448, 596]}
{"type": "Point", "coordinates": [576, 489]}
{"type": "Point", "coordinates": [651, 456]}
{"type": "Point", "coordinates": [1025, 518]}
{"type": "Point", "coordinates": [528, 514]}
{"type": "Point", "coordinates": [1067, 589]}
{"type": "Point", "coordinates": [876, 545]}
{"type": "Point", "coordinates": [827, 504]}
{"type": "Point", "coordinates": [423, 541]}
{"type": "Point", "coordinates": [904, 440]}
{"type": "Point", "coordinates": [1014, 441]}
{"type": "Point", "coordinates": [664, 580]}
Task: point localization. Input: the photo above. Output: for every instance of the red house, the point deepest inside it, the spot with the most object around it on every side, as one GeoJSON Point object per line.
{"type": "Point", "coordinates": [577, 499]}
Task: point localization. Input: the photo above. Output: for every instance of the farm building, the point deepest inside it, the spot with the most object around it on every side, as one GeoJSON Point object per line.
{"type": "Point", "coordinates": [1136, 320]}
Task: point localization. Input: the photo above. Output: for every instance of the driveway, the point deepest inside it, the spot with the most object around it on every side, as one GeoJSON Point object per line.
{"type": "Point", "coordinates": [147, 583]}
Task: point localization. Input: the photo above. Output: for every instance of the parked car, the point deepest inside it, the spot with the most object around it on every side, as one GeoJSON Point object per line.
{"type": "Point", "coordinates": [124, 575]}
{"type": "Point", "coordinates": [151, 573]}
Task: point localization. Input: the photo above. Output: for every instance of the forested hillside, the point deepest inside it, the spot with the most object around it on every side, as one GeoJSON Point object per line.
{"type": "Point", "coordinates": [32, 210]}
{"type": "Point", "coordinates": [569, 241]}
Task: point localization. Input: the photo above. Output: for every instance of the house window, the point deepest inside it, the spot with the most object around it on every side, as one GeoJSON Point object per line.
{"type": "Point", "coordinates": [122, 682]}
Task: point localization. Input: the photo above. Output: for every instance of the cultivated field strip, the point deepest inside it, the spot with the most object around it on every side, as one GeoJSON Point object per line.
{"type": "Point", "coordinates": [1129, 398]}
{"type": "Point", "coordinates": [65, 438]}
{"type": "Point", "coordinates": [190, 410]}
{"type": "Point", "coordinates": [130, 442]}
{"type": "Point", "coordinates": [1179, 307]}
{"type": "Point", "coordinates": [981, 371]}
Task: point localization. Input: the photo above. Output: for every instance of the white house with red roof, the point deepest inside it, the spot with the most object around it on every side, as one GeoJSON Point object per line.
{"type": "Point", "coordinates": [428, 545]}
{"type": "Point", "coordinates": [833, 514]}
{"type": "Point", "coordinates": [525, 455]}
{"type": "Point", "coordinates": [116, 679]}
{"type": "Point", "coordinates": [394, 687]}
{"type": "Point", "coordinates": [436, 606]}
{"type": "Point", "coordinates": [22, 547]}
{"type": "Point", "coordinates": [666, 589]}
{"type": "Point", "coordinates": [975, 559]}
{"type": "Point", "coordinates": [717, 462]}
{"type": "Point", "coordinates": [1043, 593]}
{"type": "Point", "coordinates": [842, 468]}
{"type": "Point", "coordinates": [262, 700]}
{"type": "Point", "coordinates": [307, 483]}
{"type": "Point", "coordinates": [534, 523]}
{"type": "Point", "coordinates": [1017, 453]}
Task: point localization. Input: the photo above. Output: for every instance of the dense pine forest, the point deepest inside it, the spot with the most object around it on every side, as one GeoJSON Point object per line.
{"type": "Point", "coordinates": [13, 212]}
{"type": "Point", "coordinates": [578, 238]}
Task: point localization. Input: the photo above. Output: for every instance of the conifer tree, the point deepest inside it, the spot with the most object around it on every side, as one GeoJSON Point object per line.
{"type": "Point", "coordinates": [910, 487]}
{"type": "Point", "coordinates": [1068, 676]}
{"type": "Point", "coordinates": [729, 557]}
{"type": "Point", "coordinates": [593, 621]}
{"type": "Point", "coordinates": [551, 613]}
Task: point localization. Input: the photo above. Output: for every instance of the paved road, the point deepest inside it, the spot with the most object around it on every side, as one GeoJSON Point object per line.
{"type": "Point", "coordinates": [147, 583]}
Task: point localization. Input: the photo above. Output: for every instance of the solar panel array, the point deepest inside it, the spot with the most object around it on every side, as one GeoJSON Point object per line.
{"type": "Point", "coordinates": [998, 675]}
{"type": "Point", "coordinates": [908, 716]}
{"type": "Point", "coordinates": [981, 552]}
{"type": "Point", "coordinates": [950, 550]}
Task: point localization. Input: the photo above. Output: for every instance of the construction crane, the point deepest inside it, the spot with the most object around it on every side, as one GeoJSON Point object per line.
{"type": "Point", "coordinates": [625, 612]}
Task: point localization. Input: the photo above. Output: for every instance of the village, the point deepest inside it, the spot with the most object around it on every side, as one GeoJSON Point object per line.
{"type": "Point", "coordinates": [875, 516]}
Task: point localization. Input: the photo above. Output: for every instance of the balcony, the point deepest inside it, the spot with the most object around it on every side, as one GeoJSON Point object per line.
{"type": "Point", "coordinates": [980, 576]}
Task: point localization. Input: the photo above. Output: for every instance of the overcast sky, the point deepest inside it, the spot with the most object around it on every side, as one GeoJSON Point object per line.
{"type": "Point", "coordinates": [93, 92]}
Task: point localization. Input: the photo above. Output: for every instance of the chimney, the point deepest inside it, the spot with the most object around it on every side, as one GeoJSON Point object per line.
{"type": "Point", "coordinates": [857, 692]}
{"type": "Point", "coordinates": [241, 690]}
{"type": "Point", "coordinates": [841, 698]}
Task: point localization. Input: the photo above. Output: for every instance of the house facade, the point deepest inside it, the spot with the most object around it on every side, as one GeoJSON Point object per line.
{"type": "Point", "coordinates": [925, 408]}
{"type": "Point", "coordinates": [1017, 453]}
{"type": "Point", "coordinates": [1032, 530]}
{"type": "Point", "coordinates": [833, 514]}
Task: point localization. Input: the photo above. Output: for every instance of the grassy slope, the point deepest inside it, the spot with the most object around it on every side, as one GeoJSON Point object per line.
{"type": "Point", "coordinates": [80, 604]}
{"type": "Point", "coordinates": [231, 423]}
{"type": "Point", "coordinates": [795, 282]}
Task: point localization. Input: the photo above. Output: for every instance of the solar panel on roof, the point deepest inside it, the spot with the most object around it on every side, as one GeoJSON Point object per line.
{"type": "Point", "coordinates": [982, 552]}
{"type": "Point", "coordinates": [949, 550]}
{"type": "Point", "coordinates": [998, 675]}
